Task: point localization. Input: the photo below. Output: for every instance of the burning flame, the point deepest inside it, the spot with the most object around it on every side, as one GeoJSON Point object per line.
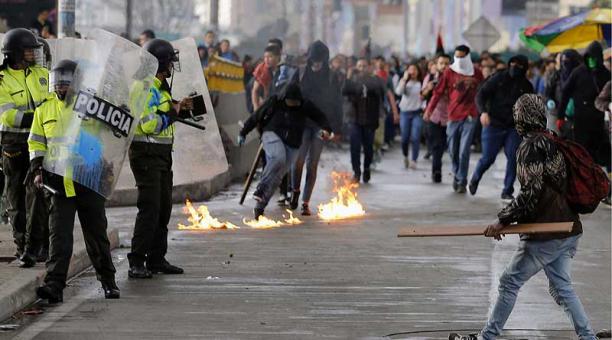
{"type": "Point", "coordinates": [265, 223]}
{"type": "Point", "coordinates": [345, 204]}
{"type": "Point", "coordinates": [201, 219]}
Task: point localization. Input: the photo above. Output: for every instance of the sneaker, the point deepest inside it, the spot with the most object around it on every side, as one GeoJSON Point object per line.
{"type": "Point", "coordinates": [455, 185]}
{"type": "Point", "coordinates": [413, 165]}
{"type": "Point", "coordinates": [295, 200]}
{"type": "Point", "coordinates": [473, 187]}
{"type": "Point", "coordinates": [455, 336]}
{"type": "Point", "coordinates": [366, 176]}
{"type": "Point", "coordinates": [283, 200]}
{"type": "Point", "coordinates": [27, 260]}
{"type": "Point", "coordinates": [604, 334]}
{"type": "Point", "coordinates": [461, 189]}
{"type": "Point", "coordinates": [306, 210]}
{"type": "Point", "coordinates": [406, 162]}
{"type": "Point", "coordinates": [427, 155]}
{"type": "Point", "coordinates": [507, 197]}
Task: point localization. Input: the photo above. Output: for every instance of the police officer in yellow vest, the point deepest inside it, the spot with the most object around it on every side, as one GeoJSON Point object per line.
{"type": "Point", "coordinates": [23, 86]}
{"type": "Point", "coordinates": [151, 162]}
{"type": "Point", "coordinates": [51, 119]}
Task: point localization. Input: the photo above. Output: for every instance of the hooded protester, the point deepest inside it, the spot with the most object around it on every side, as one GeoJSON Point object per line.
{"type": "Point", "coordinates": [321, 88]}
{"type": "Point", "coordinates": [495, 100]}
{"type": "Point", "coordinates": [583, 85]}
{"type": "Point", "coordinates": [459, 82]}
{"type": "Point", "coordinates": [543, 175]}
{"type": "Point", "coordinates": [282, 122]}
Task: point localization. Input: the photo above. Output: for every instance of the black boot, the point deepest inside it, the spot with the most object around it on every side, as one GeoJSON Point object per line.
{"type": "Point", "coordinates": [165, 268]}
{"type": "Point", "coordinates": [295, 200]}
{"type": "Point", "coordinates": [50, 293]}
{"type": "Point", "coordinates": [473, 187]}
{"type": "Point", "coordinates": [139, 271]}
{"type": "Point", "coordinates": [366, 176]}
{"type": "Point", "coordinates": [356, 177]}
{"type": "Point", "coordinates": [27, 260]}
{"type": "Point", "coordinates": [436, 177]}
{"type": "Point", "coordinates": [257, 212]}
{"type": "Point", "coordinates": [111, 291]}
{"type": "Point", "coordinates": [306, 209]}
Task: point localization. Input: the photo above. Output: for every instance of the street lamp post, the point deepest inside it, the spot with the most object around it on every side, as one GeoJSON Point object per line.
{"type": "Point", "coordinates": [66, 18]}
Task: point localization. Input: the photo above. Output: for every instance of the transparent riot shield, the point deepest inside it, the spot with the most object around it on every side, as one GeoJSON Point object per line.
{"type": "Point", "coordinates": [103, 106]}
{"type": "Point", "coordinates": [204, 155]}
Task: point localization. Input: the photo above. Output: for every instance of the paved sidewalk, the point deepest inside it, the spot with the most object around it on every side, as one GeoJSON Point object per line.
{"type": "Point", "coordinates": [17, 285]}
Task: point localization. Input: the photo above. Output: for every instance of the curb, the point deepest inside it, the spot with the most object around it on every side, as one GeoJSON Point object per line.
{"type": "Point", "coordinates": [19, 292]}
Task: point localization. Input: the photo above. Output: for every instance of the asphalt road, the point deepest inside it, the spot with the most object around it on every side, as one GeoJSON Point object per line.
{"type": "Point", "coordinates": [341, 280]}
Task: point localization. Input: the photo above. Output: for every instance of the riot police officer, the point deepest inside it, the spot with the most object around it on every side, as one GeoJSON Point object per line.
{"type": "Point", "coordinates": [150, 157]}
{"type": "Point", "coordinates": [23, 86]}
{"type": "Point", "coordinates": [67, 197]}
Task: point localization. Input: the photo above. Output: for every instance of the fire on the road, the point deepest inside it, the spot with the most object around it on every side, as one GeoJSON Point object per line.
{"type": "Point", "coordinates": [265, 223]}
{"type": "Point", "coordinates": [201, 219]}
{"type": "Point", "coordinates": [345, 204]}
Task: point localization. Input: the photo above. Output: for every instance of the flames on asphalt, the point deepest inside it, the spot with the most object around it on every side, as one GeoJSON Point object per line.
{"type": "Point", "coordinates": [201, 219]}
{"type": "Point", "coordinates": [345, 204]}
{"type": "Point", "coordinates": [264, 222]}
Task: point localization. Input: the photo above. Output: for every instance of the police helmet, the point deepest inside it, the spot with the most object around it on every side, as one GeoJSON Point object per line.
{"type": "Point", "coordinates": [17, 40]}
{"type": "Point", "coordinates": [62, 73]}
{"type": "Point", "coordinates": [165, 53]}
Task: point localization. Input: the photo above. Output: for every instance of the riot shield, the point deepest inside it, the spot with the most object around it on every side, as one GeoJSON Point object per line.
{"type": "Point", "coordinates": [69, 48]}
{"type": "Point", "coordinates": [103, 107]}
{"type": "Point", "coordinates": [198, 154]}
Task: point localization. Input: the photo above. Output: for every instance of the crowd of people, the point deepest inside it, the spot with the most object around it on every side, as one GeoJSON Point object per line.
{"type": "Point", "coordinates": [299, 104]}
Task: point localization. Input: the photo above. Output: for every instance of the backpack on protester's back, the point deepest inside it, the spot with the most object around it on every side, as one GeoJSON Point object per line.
{"type": "Point", "coordinates": [588, 183]}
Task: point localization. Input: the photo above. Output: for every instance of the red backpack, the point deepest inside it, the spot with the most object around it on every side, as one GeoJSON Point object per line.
{"type": "Point", "coordinates": [588, 183]}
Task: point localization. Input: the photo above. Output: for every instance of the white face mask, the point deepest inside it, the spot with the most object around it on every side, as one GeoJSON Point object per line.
{"type": "Point", "coordinates": [463, 66]}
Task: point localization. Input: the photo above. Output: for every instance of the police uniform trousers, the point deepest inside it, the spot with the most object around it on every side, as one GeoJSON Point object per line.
{"type": "Point", "coordinates": [15, 164]}
{"type": "Point", "coordinates": [152, 167]}
{"type": "Point", "coordinates": [89, 205]}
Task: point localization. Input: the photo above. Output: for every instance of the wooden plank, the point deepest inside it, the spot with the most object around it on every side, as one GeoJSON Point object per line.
{"type": "Point", "coordinates": [471, 230]}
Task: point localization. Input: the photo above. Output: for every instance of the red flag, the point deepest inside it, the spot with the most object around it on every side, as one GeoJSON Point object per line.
{"type": "Point", "coordinates": [439, 44]}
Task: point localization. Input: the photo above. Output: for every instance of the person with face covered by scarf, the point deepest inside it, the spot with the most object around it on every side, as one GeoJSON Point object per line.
{"type": "Point", "coordinates": [282, 121]}
{"type": "Point", "coordinates": [321, 88]}
{"type": "Point", "coordinates": [459, 82]}
{"type": "Point", "coordinates": [495, 99]}
{"type": "Point", "coordinates": [586, 123]}
{"type": "Point", "coordinates": [543, 175]}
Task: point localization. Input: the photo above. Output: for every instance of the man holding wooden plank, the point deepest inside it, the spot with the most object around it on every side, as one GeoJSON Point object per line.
{"type": "Point", "coordinates": [543, 174]}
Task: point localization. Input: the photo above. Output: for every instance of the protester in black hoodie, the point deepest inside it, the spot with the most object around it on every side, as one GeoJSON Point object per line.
{"type": "Point", "coordinates": [366, 92]}
{"type": "Point", "coordinates": [495, 100]}
{"type": "Point", "coordinates": [320, 87]}
{"type": "Point", "coordinates": [577, 106]}
{"type": "Point", "coordinates": [282, 121]}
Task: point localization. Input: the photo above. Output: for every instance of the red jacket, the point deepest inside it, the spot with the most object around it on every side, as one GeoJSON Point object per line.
{"type": "Point", "coordinates": [461, 92]}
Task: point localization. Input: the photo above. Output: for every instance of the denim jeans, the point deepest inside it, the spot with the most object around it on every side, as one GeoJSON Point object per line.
{"type": "Point", "coordinates": [554, 257]}
{"type": "Point", "coordinates": [459, 135]}
{"type": "Point", "coordinates": [309, 153]}
{"type": "Point", "coordinates": [410, 126]}
{"type": "Point", "coordinates": [437, 134]}
{"type": "Point", "coordinates": [361, 136]}
{"type": "Point", "coordinates": [493, 139]}
{"type": "Point", "coordinates": [279, 158]}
